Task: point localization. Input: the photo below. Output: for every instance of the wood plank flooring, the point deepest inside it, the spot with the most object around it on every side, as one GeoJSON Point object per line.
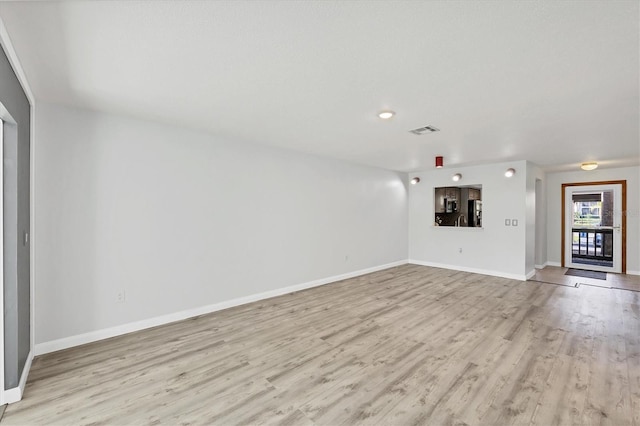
{"type": "Point", "coordinates": [407, 345]}
{"type": "Point", "coordinates": [556, 275]}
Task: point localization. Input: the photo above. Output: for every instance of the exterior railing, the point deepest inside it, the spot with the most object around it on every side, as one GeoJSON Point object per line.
{"type": "Point", "coordinates": [590, 243]}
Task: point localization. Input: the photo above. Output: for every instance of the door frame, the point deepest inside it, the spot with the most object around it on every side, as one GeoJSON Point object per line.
{"type": "Point", "coordinates": [623, 219]}
{"type": "Point", "coordinates": [2, 384]}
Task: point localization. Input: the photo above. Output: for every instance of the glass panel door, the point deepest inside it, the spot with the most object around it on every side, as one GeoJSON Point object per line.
{"type": "Point", "coordinates": [593, 234]}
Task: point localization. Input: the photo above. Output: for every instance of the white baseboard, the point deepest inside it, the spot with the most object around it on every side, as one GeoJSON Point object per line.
{"type": "Point", "coordinates": [531, 274]}
{"type": "Point", "coordinates": [12, 395]}
{"type": "Point", "coordinates": [81, 339]}
{"type": "Point", "coordinates": [545, 264]}
{"type": "Point", "coordinates": [472, 270]}
{"type": "Point", "coordinates": [633, 272]}
{"type": "Point", "coordinates": [15, 394]}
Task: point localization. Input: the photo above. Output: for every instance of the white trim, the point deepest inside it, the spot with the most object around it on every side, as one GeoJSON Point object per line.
{"type": "Point", "coordinates": [633, 272]}
{"type": "Point", "coordinates": [15, 394]}
{"type": "Point", "coordinates": [32, 227]}
{"type": "Point", "coordinates": [81, 339]}
{"type": "Point", "coordinates": [545, 264]}
{"type": "Point", "coordinates": [531, 274]}
{"type": "Point", "coordinates": [3, 392]}
{"type": "Point", "coordinates": [12, 395]}
{"type": "Point", "coordinates": [7, 45]}
{"type": "Point", "coordinates": [558, 264]}
{"type": "Point", "coordinates": [472, 270]}
{"type": "Point", "coordinates": [5, 41]}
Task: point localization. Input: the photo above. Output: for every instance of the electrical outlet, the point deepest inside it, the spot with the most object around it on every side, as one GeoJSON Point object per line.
{"type": "Point", "coordinates": [507, 222]}
{"type": "Point", "coordinates": [120, 297]}
{"type": "Point", "coordinates": [514, 222]}
{"type": "Point", "coordinates": [460, 250]}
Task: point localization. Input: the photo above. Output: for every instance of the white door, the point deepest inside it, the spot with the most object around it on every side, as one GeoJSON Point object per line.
{"type": "Point", "coordinates": [593, 227]}
{"type": "Point", "coordinates": [2, 391]}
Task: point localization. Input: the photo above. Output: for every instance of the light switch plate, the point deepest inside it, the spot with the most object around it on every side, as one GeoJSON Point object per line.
{"type": "Point", "coordinates": [514, 222]}
{"type": "Point", "coordinates": [507, 222]}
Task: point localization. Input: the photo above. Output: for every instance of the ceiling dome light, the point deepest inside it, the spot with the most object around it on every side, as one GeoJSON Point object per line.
{"type": "Point", "coordinates": [456, 177]}
{"type": "Point", "coordinates": [510, 172]}
{"type": "Point", "coordinates": [385, 115]}
{"type": "Point", "coordinates": [415, 180]}
{"type": "Point", "coordinates": [589, 166]}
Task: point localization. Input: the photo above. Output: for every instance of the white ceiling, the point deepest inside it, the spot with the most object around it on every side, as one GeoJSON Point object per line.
{"type": "Point", "coordinates": [553, 82]}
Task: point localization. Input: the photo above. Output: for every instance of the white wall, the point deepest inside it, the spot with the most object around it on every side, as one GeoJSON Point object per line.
{"type": "Point", "coordinates": [495, 249]}
{"type": "Point", "coordinates": [554, 209]}
{"type": "Point", "coordinates": [179, 219]}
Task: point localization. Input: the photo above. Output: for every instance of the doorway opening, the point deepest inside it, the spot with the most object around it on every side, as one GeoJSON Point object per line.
{"type": "Point", "coordinates": [594, 225]}
{"type": "Point", "coordinates": [592, 228]}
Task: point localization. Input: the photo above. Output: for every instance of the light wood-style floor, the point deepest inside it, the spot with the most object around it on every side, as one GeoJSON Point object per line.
{"type": "Point", "coordinates": [556, 275]}
{"type": "Point", "coordinates": [408, 345]}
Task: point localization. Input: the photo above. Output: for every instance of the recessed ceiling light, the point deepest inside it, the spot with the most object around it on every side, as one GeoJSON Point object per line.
{"type": "Point", "coordinates": [385, 115]}
{"type": "Point", "coordinates": [510, 172]}
{"type": "Point", "coordinates": [456, 177]}
{"type": "Point", "coordinates": [415, 180]}
{"type": "Point", "coordinates": [589, 166]}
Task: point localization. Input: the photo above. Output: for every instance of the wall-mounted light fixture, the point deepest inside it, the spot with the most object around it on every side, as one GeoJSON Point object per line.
{"type": "Point", "coordinates": [415, 180]}
{"type": "Point", "coordinates": [456, 177]}
{"type": "Point", "coordinates": [439, 162]}
{"type": "Point", "coordinates": [510, 172]}
{"type": "Point", "coordinates": [589, 166]}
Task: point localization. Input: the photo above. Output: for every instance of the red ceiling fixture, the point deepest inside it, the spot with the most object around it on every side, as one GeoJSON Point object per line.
{"type": "Point", "coordinates": [439, 162]}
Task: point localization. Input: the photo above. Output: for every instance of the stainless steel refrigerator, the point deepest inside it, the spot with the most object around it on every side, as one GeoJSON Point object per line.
{"type": "Point", "coordinates": [474, 213]}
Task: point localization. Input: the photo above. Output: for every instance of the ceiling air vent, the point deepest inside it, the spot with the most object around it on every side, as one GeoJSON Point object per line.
{"type": "Point", "coordinates": [423, 130]}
